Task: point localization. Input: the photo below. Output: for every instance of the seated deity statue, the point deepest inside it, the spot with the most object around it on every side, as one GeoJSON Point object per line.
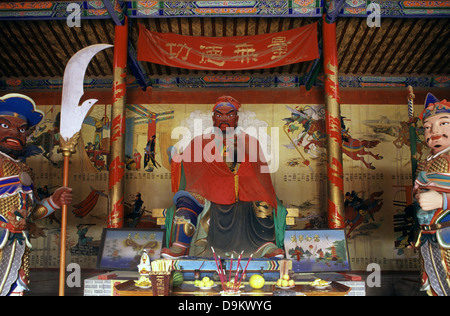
{"type": "Point", "coordinates": [226, 202]}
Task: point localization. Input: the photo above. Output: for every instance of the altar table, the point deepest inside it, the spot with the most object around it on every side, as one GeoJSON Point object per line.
{"type": "Point", "coordinates": [128, 288]}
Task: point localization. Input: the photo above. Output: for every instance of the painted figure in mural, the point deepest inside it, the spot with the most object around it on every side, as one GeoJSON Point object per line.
{"type": "Point", "coordinates": [226, 200]}
{"type": "Point", "coordinates": [432, 193]}
{"type": "Point", "coordinates": [98, 134]}
{"type": "Point", "coordinates": [19, 205]}
{"type": "Point", "coordinates": [137, 158]}
{"type": "Point", "coordinates": [150, 154]}
{"type": "Point", "coordinates": [308, 129]}
{"type": "Point", "coordinates": [136, 211]}
{"type": "Point", "coordinates": [82, 230]}
{"type": "Point", "coordinates": [358, 210]}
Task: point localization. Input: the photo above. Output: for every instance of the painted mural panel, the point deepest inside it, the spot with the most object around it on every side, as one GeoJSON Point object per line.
{"type": "Point", "coordinates": [376, 159]}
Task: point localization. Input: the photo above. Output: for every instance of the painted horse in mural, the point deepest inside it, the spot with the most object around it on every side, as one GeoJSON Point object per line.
{"type": "Point", "coordinates": [313, 137]}
{"type": "Point", "coordinates": [356, 149]}
{"type": "Point", "coordinates": [358, 211]}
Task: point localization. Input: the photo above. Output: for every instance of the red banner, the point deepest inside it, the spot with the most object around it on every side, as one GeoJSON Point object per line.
{"type": "Point", "coordinates": [229, 53]}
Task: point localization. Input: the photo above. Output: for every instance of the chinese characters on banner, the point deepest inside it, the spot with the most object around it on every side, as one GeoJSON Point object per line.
{"type": "Point", "coordinates": [229, 53]}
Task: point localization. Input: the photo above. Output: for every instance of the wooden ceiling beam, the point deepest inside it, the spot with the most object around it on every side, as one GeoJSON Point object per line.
{"type": "Point", "coordinates": [94, 64]}
{"type": "Point", "coordinates": [366, 50]}
{"type": "Point", "coordinates": [11, 72]}
{"type": "Point", "coordinates": [435, 52]}
{"type": "Point", "coordinates": [428, 49]}
{"type": "Point", "coordinates": [224, 27]}
{"type": "Point", "coordinates": [190, 27]}
{"type": "Point", "coordinates": [103, 52]}
{"type": "Point", "coordinates": [411, 50]}
{"type": "Point", "coordinates": [13, 62]}
{"type": "Point", "coordinates": [58, 39]}
{"type": "Point", "coordinates": [343, 31]}
{"type": "Point", "coordinates": [389, 46]}
{"type": "Point", "coordinates": [405, 37]}
{"type": "Point", "coordinates": [48, 49]}
{"type": "Point", "coordinates": [257, 26]}
{"type": "Point", "coordinates": [213, 27]}
{"type": "Point", "coordinates": [4, 69]}
{"type": "Point", "coordinates": [44, 57]}
{"type": "Point", "coordinates": [356, 51]}
{"type": "Point", "coordinates": [377, 48]}
{"type": "Point", "coordinates": [386, 48]}
{"type": "Point", "coordinates": [441, 63]}
{"type": "Point", "coordinates": [347, 49]}
{"type": "Point", "coordinates": [202, 27]}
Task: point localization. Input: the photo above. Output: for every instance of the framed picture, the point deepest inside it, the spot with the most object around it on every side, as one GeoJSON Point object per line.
{"type": "Point", "coordinates": [317, 250]}
{"type": "Point", "coordinates": [121, 249]}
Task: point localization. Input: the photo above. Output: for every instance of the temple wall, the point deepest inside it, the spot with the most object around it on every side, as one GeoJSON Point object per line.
{"type": "Point", "coordinates": [299, 179]}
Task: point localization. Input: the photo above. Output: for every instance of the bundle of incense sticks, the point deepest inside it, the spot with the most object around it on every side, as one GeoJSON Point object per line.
{"type": "Point", "coordinates": [162, 265]}
{"type": "Point", "coordinates": [229, 284]}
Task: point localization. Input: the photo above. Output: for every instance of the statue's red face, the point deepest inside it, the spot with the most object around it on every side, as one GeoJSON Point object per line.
{"type": "Point", "coordinates": [225, 116]}
{"type": "Point", "coordinates": [13, 135]}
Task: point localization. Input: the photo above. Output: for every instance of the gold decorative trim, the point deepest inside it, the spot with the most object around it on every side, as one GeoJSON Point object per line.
{"type": "Point", "coordinates": [263, 209]}
{"type": "Point", "coordinates": [67, 147]}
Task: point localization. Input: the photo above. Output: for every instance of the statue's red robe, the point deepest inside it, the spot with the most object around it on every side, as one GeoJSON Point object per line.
{"type": "Point", "coordinates": [208, 174]}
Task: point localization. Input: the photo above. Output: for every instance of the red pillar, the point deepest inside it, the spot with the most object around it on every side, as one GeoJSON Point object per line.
{"type": "Point", "coordinates": [151, 127]}
{"type": "Point", "coordinates": [335, 188]}
{"type": "Point", "coordinates": [117, 143]}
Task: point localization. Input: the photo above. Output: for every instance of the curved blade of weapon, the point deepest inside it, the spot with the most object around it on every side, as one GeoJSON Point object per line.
{"type": "Point", "coordinates": [72, 115]}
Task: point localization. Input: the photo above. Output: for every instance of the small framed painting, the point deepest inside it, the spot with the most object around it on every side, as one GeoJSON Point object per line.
{"type": "Point", "coordinates": [121, 249]}
{"type": "Point", "coordinates": [317, 250]}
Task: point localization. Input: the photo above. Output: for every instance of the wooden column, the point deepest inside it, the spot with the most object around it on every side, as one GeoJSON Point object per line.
{"type": "Point", "coordinates": [117, 144]}
{"type": "Point", "coordinates": [335, 184]}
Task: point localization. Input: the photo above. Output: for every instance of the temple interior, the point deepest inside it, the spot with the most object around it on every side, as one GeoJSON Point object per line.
{"type": "Point", "coordinates": [333, 90]}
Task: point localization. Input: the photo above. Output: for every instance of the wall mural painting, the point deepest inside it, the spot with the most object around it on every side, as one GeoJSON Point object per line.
{"type": "Point", "coordinates": [376, 157]}
{"type": "Point", "coordinates": [376, 160]}
{"type": "Point", "coordinates": [147, 178]}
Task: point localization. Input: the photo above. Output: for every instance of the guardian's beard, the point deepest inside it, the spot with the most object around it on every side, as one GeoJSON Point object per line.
{"type": "Point", "coordinates": [12, 152]}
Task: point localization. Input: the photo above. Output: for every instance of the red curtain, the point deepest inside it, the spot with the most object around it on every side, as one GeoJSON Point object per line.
{"type": "Point", "coordinates": [229, 53]}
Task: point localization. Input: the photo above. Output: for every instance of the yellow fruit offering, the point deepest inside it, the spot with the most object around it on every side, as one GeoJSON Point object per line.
{"type": "Point", "coordinates": [286, 277]}
{"type": "Point", "coordinates": [205, 282]}
{"type": "Point", "coordinates": [256, 281]}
